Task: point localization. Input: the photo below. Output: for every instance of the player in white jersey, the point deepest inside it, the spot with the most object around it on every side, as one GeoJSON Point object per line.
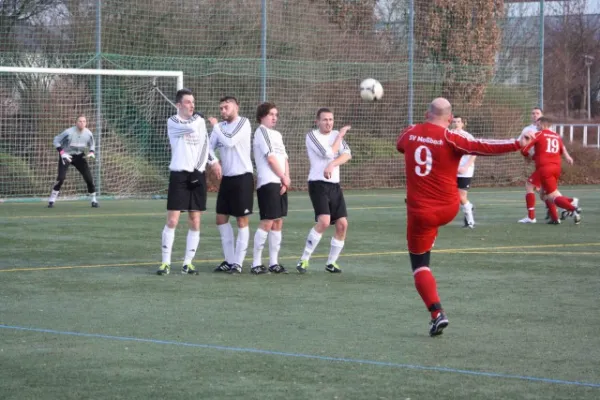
{"type": "Point", "coordinates": [466, 169]}
{"type": "Point", "coordinates": [533, 183]}
{"type": "Point", "coordinates": [71, 145]}
{"type": "Point", "coordinates": [273, 181]}
{"type": "Point", "coordinates": [233, 137]}
{"type": "Point", "coordinates": [190, 153]}
{"type": "Point", "coordinates": [327, 150]}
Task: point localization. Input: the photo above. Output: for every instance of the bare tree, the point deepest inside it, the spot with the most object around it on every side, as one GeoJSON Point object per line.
{"type": "Point", "coordinates": [570, 35]}
{"type": "Point", "coordinates": [464, 37]}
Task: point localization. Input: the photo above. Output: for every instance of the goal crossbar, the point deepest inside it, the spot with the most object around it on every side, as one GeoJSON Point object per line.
{"type": "Point", "coordinates": [84, 71]}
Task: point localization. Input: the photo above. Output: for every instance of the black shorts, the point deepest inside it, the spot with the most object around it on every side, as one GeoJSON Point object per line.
{"type": "Point", "coordinates": [271, 204]}
{"type": "Point", "coordinates": [327, 199]}
{"type": "Point", "coordinates": [463, 183]}
{"type": "Point", "coordinates": [181, 196]}
{"type": "Point", "coordinates": [236, 195]}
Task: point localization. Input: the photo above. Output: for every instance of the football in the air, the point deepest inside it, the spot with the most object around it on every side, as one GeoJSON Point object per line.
{"type": "Point", "coordinates": [371, 90]}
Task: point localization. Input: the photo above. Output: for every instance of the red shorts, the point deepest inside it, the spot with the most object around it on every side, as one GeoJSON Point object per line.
{"type": "Point", "coordinates": [535, 180]}
{"type": "Point", "coordinates": [549, 177]}
{"type": "Point", "coordinates": [422, 226]}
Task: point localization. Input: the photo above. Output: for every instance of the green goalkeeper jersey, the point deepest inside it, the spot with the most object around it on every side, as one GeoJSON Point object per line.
{"type": "Point", "coordinates": [72, 141]}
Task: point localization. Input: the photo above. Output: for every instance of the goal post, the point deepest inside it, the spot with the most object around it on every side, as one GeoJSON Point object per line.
{"type": "Point", "coordinates": [128, 126]}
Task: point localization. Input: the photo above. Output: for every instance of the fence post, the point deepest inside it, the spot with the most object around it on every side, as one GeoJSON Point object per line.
{"type": "Point", "coordinates": [263, 52]}
{"type": "Point", "coordinates": [99, 96]}
{"type": "Point", "coordinates": [411, 58]}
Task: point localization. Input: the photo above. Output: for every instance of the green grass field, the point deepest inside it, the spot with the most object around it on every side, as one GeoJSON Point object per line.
{"type": "Point", "coordinates": [84, 316]}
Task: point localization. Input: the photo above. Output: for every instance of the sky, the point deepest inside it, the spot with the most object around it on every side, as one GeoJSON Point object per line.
{"type": "Point", "coordinates": [550, 8]}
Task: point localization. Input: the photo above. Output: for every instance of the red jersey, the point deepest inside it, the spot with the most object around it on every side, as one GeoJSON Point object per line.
{"type": "Point", "coordinates": [432, 154]}
{"type": "Point", "coordinates": [548, 147]}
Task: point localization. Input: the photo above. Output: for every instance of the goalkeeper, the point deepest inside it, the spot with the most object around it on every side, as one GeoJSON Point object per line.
{"type": "Point", "coordinates": [71, 146]}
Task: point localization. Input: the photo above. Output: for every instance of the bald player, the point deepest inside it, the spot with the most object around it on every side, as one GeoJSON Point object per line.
{"type": "Point", "coordinates": [432, 154]}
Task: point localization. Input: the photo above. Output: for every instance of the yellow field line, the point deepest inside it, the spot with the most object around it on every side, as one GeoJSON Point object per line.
{"type": "Point", "coordinates": [480, 250]}
{"type": "Point", "coordinates": [155, 214]}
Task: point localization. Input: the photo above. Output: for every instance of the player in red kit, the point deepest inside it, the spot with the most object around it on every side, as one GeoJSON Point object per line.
{"type": "Point", "coordinates": [432, 154]}
{"type": "Point", "coordinates": [548, 149]}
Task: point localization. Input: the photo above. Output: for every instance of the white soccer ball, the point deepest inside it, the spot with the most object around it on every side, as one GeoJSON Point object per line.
{"type": "Point", "coordinates": [371, 90]}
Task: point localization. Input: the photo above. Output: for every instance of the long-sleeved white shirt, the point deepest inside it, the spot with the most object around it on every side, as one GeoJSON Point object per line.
{"type": "Point", "coordinates": [320, 154]}
{"type": "Point", "coordinates": [233, 139]}
{"type": "Point", "coordinates": [268, 142]}
{"type": "Point", "coordinates": [189, 143]}
{"type": "Point", "coordinates": [72, 141]}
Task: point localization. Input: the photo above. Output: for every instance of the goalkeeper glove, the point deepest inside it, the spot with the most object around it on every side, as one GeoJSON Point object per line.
{"type": "Point", "coordinates": [91, 156]}
{"type": "Point", "coordinates": [66, 158]}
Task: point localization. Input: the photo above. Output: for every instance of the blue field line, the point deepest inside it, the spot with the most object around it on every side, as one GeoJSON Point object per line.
{"type": "Point", "coordinates": [307, 356]}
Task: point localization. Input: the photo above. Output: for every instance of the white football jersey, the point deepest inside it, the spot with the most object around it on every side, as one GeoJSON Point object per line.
{"type": "Point", "coordinates": [189, 143]}
{"type": "Point", "coordinates": [465, 159]}
{"type": "Point", "coordinates": [268, 142]}
{"type": "Point", "coordinates": [233, 140]}
{"type": "Point", "coordinates": [320, 154]}
{"type": "Point", "coordinates": [529, 129]}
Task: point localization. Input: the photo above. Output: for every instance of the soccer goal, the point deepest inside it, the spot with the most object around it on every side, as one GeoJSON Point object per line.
{"type": "Point", "coordinates": [125, 109]}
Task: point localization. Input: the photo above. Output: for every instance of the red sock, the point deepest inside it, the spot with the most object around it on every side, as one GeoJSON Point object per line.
{"type": "Point", "coordinates": [427, 288]}
{"type": "Point", "coordinates": [530, 201]}
{"type": "Point", "coordinates": [553, 210]}
{"type": "Point", "coordinates": [564, 203]}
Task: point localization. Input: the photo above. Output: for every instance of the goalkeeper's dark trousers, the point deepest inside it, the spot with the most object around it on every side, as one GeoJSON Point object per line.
{"type": "Point", "coordinates": [82, 166]}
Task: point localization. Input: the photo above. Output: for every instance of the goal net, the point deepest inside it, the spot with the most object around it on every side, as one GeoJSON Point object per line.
{"type": "Point", "coordinates": [132, 149]}
{"type": "Point", "coordinates": [484, 55]}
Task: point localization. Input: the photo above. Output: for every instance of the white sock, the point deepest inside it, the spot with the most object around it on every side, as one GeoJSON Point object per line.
{"type": "Point", "coordinates": [260, 237]}
{"type": "Point", "coordinates": [226, 232]}
{"type": "Point", "coordinates": [93, 197]}
{"type": "Point", "coordinates": [168, 235]}
{"type": "Point", "coordinates": [311, 243]}
{"type": "Point", "coordinates": [336, 249]}
{"type": "Point", "coordinates": [274, 246]}
{"type": "Point", "coordinates": [241, 245]}
{"type": "Point", "coordinates": [53, 196]}
{"type": "Point", "coordinates": [468, 211]}
{"type": "Point", "coordinates": [193, 239]}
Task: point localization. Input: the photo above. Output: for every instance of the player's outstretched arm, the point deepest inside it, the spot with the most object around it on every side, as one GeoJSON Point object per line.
{"type": "Point", "coordinates": [482, 147]}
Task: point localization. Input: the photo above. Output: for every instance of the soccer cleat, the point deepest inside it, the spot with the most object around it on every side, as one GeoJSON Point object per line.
{"type": "Point", "coordinates": [50, 204]}
{"type": "Point", "coordinates": [95, 204]}
{"type": "Point", "coordinates": [235, 269]}
{"type": "Point", "coordinates": [438, 324]}
{"type": "Point", "coordinates": [223, 267]}
{"type": "Point", "coordinates": [565, 214]}
{"type": "Point", "coordinates": [577, 216]}
{"type": "Point", "coordinates": [527, 220]}
{"type": "Point", "coordinates": [302, 266]}
{"type": "Point", "coordinates": [259, 270]}
{"type": "Point", "coordinates": [334, 268]}
{"type": "Point", "coordinates": [164, 269]}
{"type": "Point", "coordinates": [553, 222]}
{"type": "Point", "coordinates": [189, 269]}
{"type": "Point", "coordinates": [278, 269]}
